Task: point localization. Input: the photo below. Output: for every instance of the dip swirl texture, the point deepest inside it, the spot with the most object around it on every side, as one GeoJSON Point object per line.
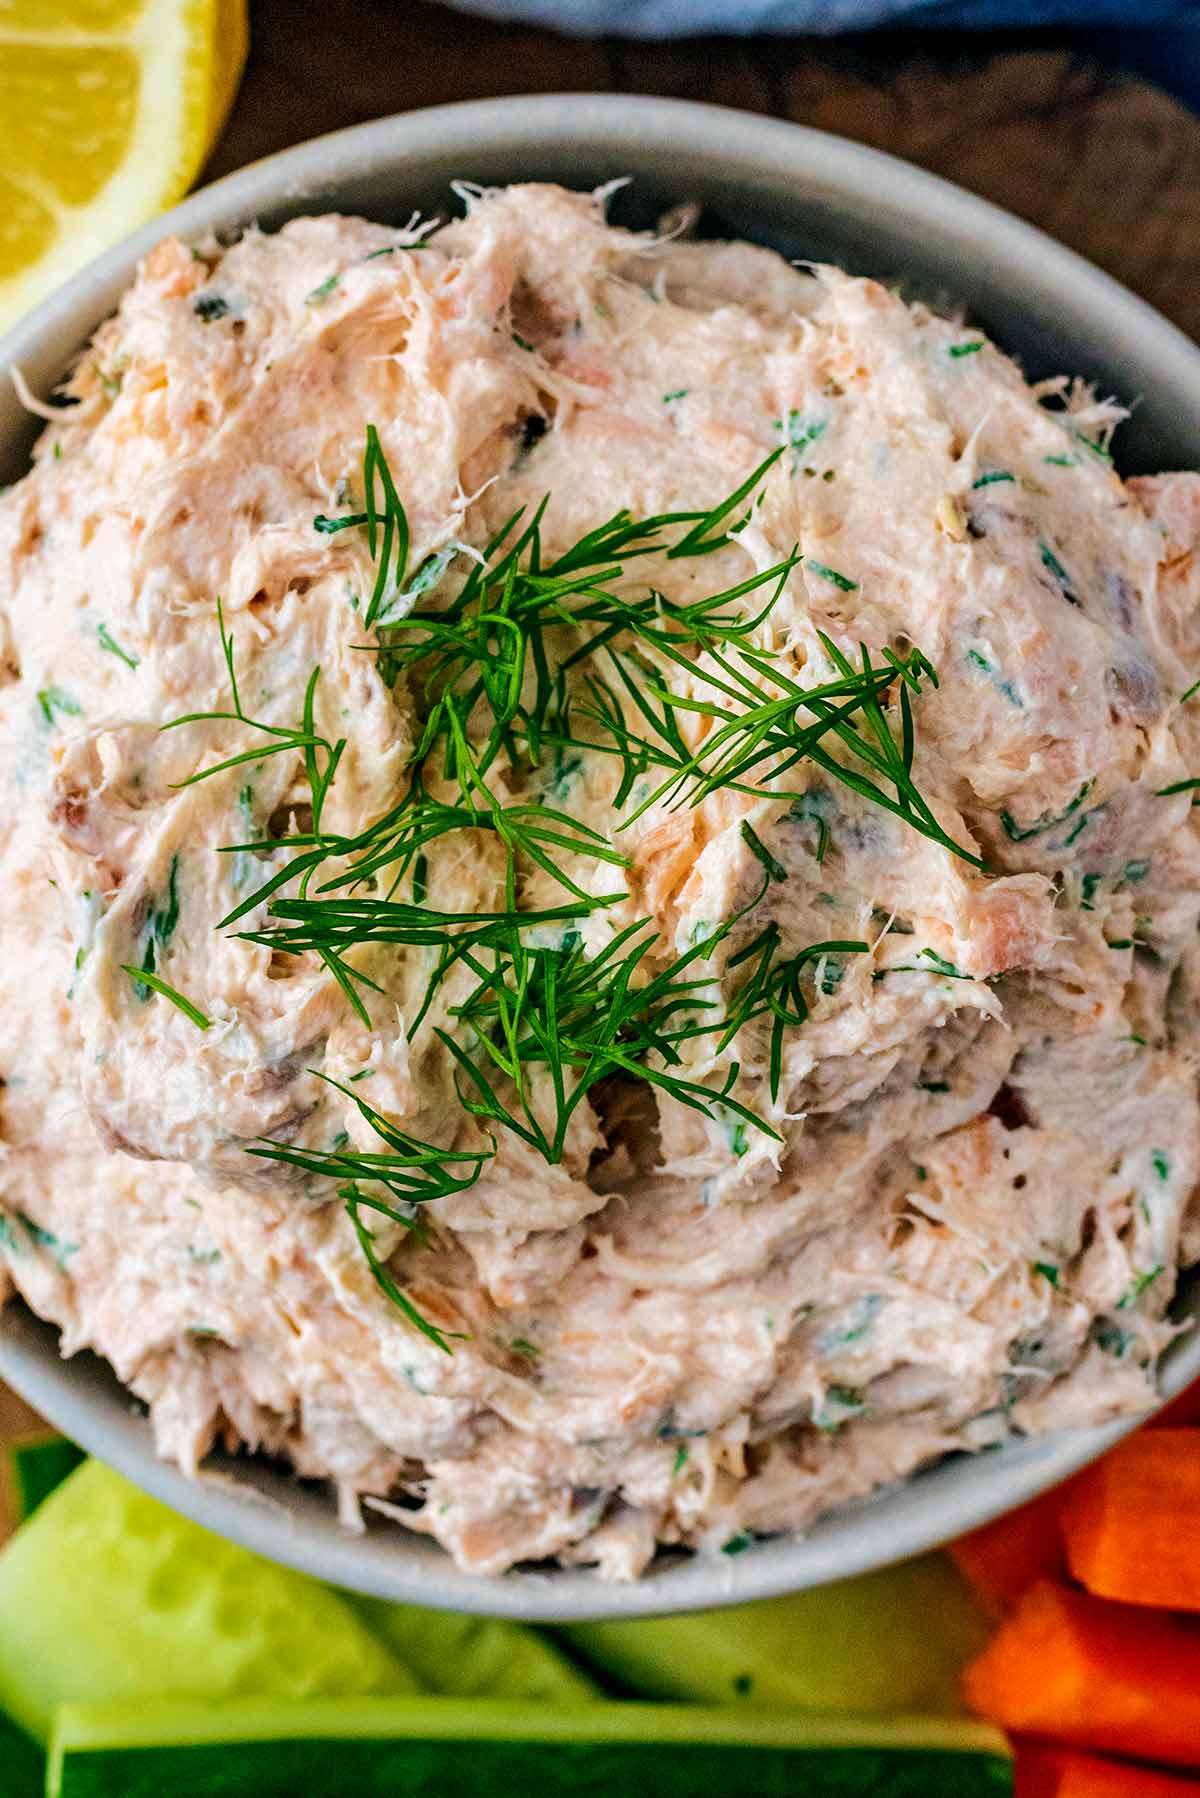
{"type": "Point", "coordinates": [943, 1202]}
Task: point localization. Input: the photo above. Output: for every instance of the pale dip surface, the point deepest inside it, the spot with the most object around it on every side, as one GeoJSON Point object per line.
{"type": "Point", "coordinates": [966, 1215]}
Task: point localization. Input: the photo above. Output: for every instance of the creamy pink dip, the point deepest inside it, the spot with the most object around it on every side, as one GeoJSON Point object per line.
{"type": "Point", "coordinates": [968, 1221]}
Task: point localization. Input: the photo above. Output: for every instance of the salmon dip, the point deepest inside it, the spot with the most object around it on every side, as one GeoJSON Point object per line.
{"type": "Point", "coordinates": [600, 885]}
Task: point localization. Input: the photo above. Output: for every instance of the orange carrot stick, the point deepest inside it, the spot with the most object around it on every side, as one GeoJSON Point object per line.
{"type": "Point", "coordinates": [1044, 1770]}
{"type": "Point", "coordinates": [1131, 1523]}
{"type": "Point", "coordinates": [1081, 1670]}
{"type": "Point", "coordinates": [1003, 1558]}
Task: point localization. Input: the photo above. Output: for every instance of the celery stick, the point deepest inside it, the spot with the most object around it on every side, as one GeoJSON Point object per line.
{"type": "Point", "coordinates": [106, 1594]}
{"type": "Point", "coordinates": [890, 1641]}
{"type": "Point", "coordinates": [441, 1747]}
{"type": "Point", "coordinates": [468, 1657]}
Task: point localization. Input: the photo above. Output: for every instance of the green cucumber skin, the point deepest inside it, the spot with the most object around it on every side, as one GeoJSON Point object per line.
{"type": "Point", "coordinates": [22, 1763]}
{"type": "Point", "coordinates": [38, 1467]}
{"type": "Point", "coordinates": [388, 1768]}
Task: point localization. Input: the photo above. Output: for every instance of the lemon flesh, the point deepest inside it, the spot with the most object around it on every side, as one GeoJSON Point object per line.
{"type": "Point", "coordinates": [109, 108]}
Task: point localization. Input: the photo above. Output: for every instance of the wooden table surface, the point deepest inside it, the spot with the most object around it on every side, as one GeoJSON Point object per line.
{"type": "Point", "coordinates": [1101, 160]}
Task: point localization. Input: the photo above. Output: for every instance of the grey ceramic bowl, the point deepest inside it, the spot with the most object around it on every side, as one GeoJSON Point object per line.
{"type": "Point", "coordinates": [806, 194]}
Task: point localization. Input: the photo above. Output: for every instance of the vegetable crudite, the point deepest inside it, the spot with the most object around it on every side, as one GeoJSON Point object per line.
{"type": "Point", "coordinates": [424, 1745]}
{"type": "Point", "coordinates": [603, 868]}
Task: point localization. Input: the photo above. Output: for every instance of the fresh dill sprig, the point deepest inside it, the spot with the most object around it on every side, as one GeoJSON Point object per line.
{"type": "Point", "coordinates": [306, 739]}
{"type": "Point", "coordinates": [587, 1016]}
{"type": "Point", "coordinates": [538, 656]}
{"type": "Point", "coordinates": [388, 545]}
{"type": "Point", "coordinates": [774, 988]}
{"type": "Point", "coordinates": [411, 1173]}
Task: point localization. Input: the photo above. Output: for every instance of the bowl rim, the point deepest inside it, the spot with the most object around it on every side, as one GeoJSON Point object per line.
{"type": "Point", "coordinates": [264, 1510]}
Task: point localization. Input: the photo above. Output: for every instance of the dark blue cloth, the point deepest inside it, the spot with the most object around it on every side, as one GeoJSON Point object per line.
{"type": "Point", "coordinates": [1158, 38]}
{"type": "Point", "coordinates": [681, 18]}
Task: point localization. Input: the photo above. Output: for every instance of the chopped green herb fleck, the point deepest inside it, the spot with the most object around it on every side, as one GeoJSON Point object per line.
{"type": "Point", "coordinates": [209, 306]}
{"type": "Point", "coordinates": [966, 349]}
{"type": "Point", "coordinates": [934, 1086]}
{"type": "Point", "coordinates": [1137, 1287]}
{"type": "Point", "coordinates": [52, 702]}
{"type": "Point", "coordinates": [520, 1346]}
{"type": "Point", "coordinates": [1135, 871]}
{"type": "Point", "coordinates": [1087, 891]}
{"type": "Point", "coordinates": [322, 291]}
{"type": "Point", "coordinates": [839, 1405]}
{"type": "Point", "coordinates": [1048, 1271]}
{"type": "Point", "coordinates": [743, 1684]}
{"type": "Point", "coordinates": [758, 849]}
{"type": "Point", "coordinates": [982, 660]}
{"type": "Point", "coordinates": [816, 807]}
{"type": "Point", "coordinates": [159, 928]}
{"type": "Point", "coordinates": [677, 393]}
{"type": "Point", "coordinates": [797, 432]}
{"type": "Point", "coordinates": [1051, 562]}
{"type": "Point", "coordinates": [46, 1239]}
{"type": "Point", "coordinates": [991, 477]}
{"type": "Point", "coordinates": [566, 766]}
{"type": "Point", "coordinates": [736, 1544]}
{"type": "Point", "coordinates": [1160, 1164]}
{"type": "Point", "coordinates": [680, 1461]}
{"type": "Point", "coordinates": [522, 343]}
{"type": "Point", "coordinates": [109, 642]}
{"type": "Point", "coordinates": [1090, 443]}
{"type": "Point", "coordinates": [1110, 1338]}
{"type": "Point", "coordinates": [1062, 461]}
{"type": "Point", "coordinates": [1021, 833]}
{"type": "Point", "coordinates": [857, 1319]}
{"type": "Point", "coordinates": [340, 1140]}
{"type": "Point", "coordinates": [832, 575]}
{"type": "Point", "coordinates": [832, 975]}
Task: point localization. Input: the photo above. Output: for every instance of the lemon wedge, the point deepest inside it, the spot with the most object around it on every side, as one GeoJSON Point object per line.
{"type": "Point", "coordinates": [108, 110]}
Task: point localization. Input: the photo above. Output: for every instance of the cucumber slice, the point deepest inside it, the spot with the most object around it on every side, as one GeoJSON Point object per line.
{"type": "Point", "coordinates": [891, 1641]}
{"type": "Point", "coordinates": [460, 1656]}
{"type": "Point", "coordinates": [106, 1594]}
{"type": "Point", "coordinates": [38, 1467]}
{"type": "Point", "coordinates": [435, 1747]}
{"type": "Point", "coordinates": [474, 1657]}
